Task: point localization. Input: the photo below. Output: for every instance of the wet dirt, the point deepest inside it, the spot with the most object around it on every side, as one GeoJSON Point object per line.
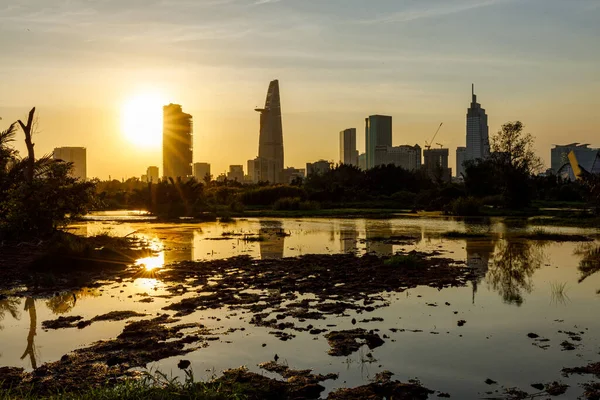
{"type": "Point", "coordinates": [344, 343]}
{"type": "Point", "coordinates": [79, 322]}
{"type": "Point", "coordinates": [138, 344]}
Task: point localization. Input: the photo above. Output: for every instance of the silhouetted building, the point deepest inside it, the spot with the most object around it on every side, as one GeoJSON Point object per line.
{"type": "Point", "coordinates": [407, 157]}
{"type": "Point", "coordinates": [478, 142]}
{"type": "Point", "coordinates": [177, 142]}
{"type": "Point", "coordinates": [290, 174]}
{"type": "Point", "coordinates": [348, 152]}
{"type": "Point", "coordinates": [436, 164]}
{"type": "Point", "coordinates": [461, 153]}
{"type": "Point", "coordinates": [268, 166]}
{"type": "Point", "coordinates": [362, 161]}
{"type": "Point", "coordinates": [152, 174]}
{"type": "Point", "coordinates": [201, 169]}
{"type": "Point", "coordinates": [236, 173]}
{"type": "Point", "coordinates": [75, 155]}
{"type": "Point", "coordinates": [586, 157]}
{"type": "Point", "coordinates": [378, 132]}
{"type": "Point", "coordinates": [320, 167]}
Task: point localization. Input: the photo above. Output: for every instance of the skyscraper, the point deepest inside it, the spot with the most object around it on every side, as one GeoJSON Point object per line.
{"type": "Point", "coordinates": [177, 142]}
{"type": "Point", "coordinates": [378, 132]}
{"type": "Point", "coordinates": [269, 164]}
{"type": "Point", "coordinates": [152, 174]}
{"type": "Point", "coordinates": [478, 142]}
{"type": "Point", "coordinates": [75, 155]}
{"type": "Point", "coordinates": [236, 173]}
{"type": "Point", "coordinates": [460, 159]}
{"type": "Point", "coordinates": [201, 170]}
{"type": "Point", "coordinates": [348, 153]}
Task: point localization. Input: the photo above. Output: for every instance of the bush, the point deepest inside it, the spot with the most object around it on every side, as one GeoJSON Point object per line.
{"type": "Point", "coordinates": [404, 198]}
{"type": "Point", "coordinates": [269, 195]}
{"type": "Point", "coordinates": [465, 206]}
{"type": "Point", "coordinates": [287, 203]}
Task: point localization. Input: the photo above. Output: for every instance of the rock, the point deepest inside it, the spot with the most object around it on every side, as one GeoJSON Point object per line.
{"type": "Point", "coordinates": [183, 364]}
{"type": "Point", "coordinates": [489, 381]}
{"type": "Point", "coordinates": [532, 335]}
{"type": "Point", "coordinates": [461, 322]}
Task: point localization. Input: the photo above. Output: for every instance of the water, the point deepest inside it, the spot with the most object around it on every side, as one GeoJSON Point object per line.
{"type": "Point", "coordinates": [521, 286]}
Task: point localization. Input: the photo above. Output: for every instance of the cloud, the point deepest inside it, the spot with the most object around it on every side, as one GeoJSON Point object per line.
{"type": "Point", "coordinates": [412, 15]}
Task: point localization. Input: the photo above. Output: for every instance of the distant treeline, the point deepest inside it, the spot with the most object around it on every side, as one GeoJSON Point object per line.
{"type": "Point", "coordinates": [507, 179]}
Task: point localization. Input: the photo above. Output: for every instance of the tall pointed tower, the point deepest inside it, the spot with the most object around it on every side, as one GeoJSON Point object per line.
{"type": "Point", "coordinates": [269, 164]}
{"type": "Point", "coordinates": [478, 142]}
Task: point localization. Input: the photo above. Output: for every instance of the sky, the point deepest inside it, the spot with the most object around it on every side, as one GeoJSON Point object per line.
{"type": "Point", "coordinates": [81, 61]}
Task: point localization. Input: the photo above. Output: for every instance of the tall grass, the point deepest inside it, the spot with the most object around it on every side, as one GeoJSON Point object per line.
{"type": "Point", "coordinates": [151, 386]}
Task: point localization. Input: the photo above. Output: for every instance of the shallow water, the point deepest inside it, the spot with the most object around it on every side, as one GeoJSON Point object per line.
{"type": "Point", "coordinates": [521, 286]}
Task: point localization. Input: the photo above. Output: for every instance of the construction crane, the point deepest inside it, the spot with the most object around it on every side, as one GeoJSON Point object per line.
{"type": "Point", "coordinates": [428, 144]}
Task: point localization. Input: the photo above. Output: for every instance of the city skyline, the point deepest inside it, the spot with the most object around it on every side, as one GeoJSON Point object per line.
{"type": "Point", "coordinates": [338, 67]}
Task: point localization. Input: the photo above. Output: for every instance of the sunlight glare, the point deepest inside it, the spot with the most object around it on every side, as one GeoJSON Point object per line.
{"type": "Point", "coordinates": [142, 119]}
{"type": "Point", "coordinates": [152, 263]}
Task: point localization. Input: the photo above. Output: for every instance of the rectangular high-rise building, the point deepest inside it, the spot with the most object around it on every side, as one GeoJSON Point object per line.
{"type": "Point", "coordinates": [177, 142]}
{"type": "Point", "coordinates": [461, 153]}
{"type": "Point", "coordinates": [236, 173]}
{"type": "Point", "coordinates": [201, 169]}
{"type": "Point", "coordinates": [348, 153]}
{"type": "Point", "coordinates": [378, 132]}
{"type": "Point", "coordinates": [435, 162]}
{"type": "Point", "coordinates": [75, 155]}
{"type": "Point", "coordinates": [270, 147]}
{"type": "Point", "coordinates": [152, 174]}
{"type": "Point", "coordinates": [407, 157]}
{"type": "Point", "coordinates": [478, 142]}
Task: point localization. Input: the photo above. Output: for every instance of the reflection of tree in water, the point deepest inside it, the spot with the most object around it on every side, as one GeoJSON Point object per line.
{"type": "Point", "coordinates": [30, 349]}
{"type": "Point", "coordinates": [512, 269]}
{"type": "Point", "coordinates": [9, 305]}
{"type": "Point", "coordinates": [590, 261]}
{"type": "Point", "coordinates": [66, 301]}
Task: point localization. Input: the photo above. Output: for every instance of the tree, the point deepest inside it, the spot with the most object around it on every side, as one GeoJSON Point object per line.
{"type": "Point", "coordinates": [513, 148]}
{"type": "Point", "coordinates": [38, 195]}
{"type": "Point", "coordinates": [515, 163]}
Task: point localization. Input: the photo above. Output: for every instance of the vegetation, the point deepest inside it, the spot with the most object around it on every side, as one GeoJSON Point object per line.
{"type": "Point", "coordinates": [38, 195]}
{"type": "Point", "coordinates": [506, 183]}
{"type": "Point", "coordinates": [404, 261]}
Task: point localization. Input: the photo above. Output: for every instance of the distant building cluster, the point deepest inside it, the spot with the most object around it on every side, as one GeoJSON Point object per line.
{"type": "Point", "coordinates": [269, 166]}
{"type": "Point", "coordinates": [75, 155]}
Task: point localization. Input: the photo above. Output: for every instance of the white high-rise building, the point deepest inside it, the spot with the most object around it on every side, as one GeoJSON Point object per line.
{"type": "Point", "coordinates": [348, 153]}
{"type": "Point", "coordinates": [478, 142]}
{"type": "Point", "coordinates": [75, 155]}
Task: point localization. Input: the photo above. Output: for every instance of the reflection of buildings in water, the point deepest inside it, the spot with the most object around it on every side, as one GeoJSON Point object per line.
{"type": "Point", "coordinates": [348, 239]}
{"type": "Point", "coordinates": [375, 231]}
{"type": "Point", "coordinates": [272, 245]}
{"type": "Point", "coordinates": [179, 246]}
{"type": "Point", "coordinates": [479, 253]}
{"type": "Point", "coordinates": [30, 349]}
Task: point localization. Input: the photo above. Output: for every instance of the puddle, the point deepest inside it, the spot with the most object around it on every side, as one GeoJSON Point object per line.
{"type": "Point", "coordinates": [517, 287]}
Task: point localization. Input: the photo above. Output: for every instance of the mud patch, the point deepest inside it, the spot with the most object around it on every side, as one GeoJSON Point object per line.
{"type": "Point", "coordinates": [383, 388]}
{"type": "Point", "coordinates": [344, 343]}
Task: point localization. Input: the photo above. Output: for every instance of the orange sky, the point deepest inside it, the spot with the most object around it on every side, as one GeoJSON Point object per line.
{"type": "Point", "coordinates": [79, 63]}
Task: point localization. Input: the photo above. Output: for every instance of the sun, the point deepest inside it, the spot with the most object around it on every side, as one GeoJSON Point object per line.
{"type": "Point", "coordinates": [142, 119]}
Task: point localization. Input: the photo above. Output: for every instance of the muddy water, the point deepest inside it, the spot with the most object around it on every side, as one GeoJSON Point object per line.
{"type": "Point", "coordinates": [520, 287]}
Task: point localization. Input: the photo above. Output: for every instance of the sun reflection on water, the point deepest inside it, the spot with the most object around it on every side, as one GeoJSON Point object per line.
{"type": "Point", "coordinates": [152, 263]}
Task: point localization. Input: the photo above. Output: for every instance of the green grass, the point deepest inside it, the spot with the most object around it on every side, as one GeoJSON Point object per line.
{"type": "Point", "coordinates": [403, 261]}
{"type": "Point", "coordinates": [155, 386]}
{"type": "Point", "coordinates": [325, 213]}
